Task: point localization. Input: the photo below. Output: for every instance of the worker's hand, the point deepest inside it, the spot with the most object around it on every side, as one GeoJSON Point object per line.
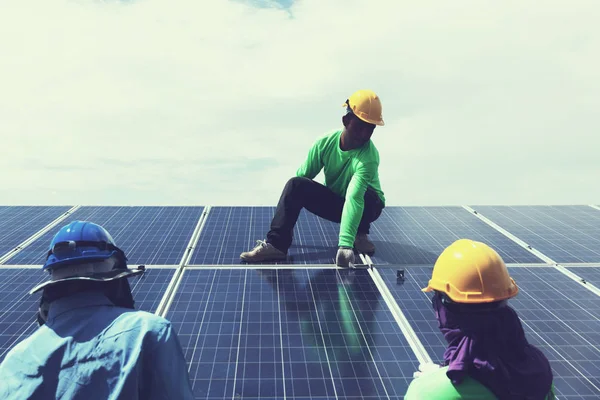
{"type": "Point", "coordinates": [426, 368]}
{"type": "Point", "coordinates": [345, 257]}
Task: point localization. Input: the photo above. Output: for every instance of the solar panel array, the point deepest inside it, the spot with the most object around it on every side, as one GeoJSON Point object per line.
{"type": "Point", "coordinates": [230, 231]}
{"type": "Point", "coordinates": [303, 329]}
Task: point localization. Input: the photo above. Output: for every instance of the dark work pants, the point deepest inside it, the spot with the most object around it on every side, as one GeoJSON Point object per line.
{"type": "Point", "coordinates": [301, 193]}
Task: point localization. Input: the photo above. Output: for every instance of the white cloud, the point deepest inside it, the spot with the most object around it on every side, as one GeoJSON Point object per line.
{"type": "Point", "coordinates": [157, 102]}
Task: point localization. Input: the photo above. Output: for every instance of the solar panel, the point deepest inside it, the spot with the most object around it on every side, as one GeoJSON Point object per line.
{"type": "Point", "coordinates": [417, 235]}
{"type": "Point", "coordinates": [17, 223]}
{"type": "Point", "coordinates": [324, 333]}
{"type": "Point", "coordinates": [18, 309]}
{"type": "Point", "coordinates": [590, 274]}
{"type": "Point", "coordinates": [229, 231]}
{"type": "Point", "coordinates": [559, 317]}
{"type": "Point", "coordinates": [149, 288]}
{"type": "Point", "coordinates": [294, 333]}
{"type": "Point", "coordinates": [148, 235]}
{"type": "Point", "coordinates": [567, 234]}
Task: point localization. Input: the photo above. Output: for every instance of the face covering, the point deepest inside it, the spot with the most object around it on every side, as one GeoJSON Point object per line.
{"type": "Point", "coordinates": [487, 343]}
{"type": "Point", "coordinates": [118, 292]}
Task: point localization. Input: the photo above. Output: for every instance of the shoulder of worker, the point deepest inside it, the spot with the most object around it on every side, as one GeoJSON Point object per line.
{"type": "Point", "coordinates": [154, 326]}
{"type": "Point", "coordinates": [22, 349]}
{"type": "Point", "coordinates": [371, 148]}
{"type": "Point", "coordinates": [368, 155]}
{"type": "Point", "coordinates": [437, 385]}
{"type": "Point", "coordinates": [328, 137]}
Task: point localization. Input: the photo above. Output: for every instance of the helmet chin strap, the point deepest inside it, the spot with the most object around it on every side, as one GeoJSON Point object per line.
{"type": "Point", "coordinates": [117, 291]}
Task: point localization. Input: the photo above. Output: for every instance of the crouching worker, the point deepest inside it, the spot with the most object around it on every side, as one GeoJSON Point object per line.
{"type": "Point", "coordinates": [92, 343]}
{"type": "Point", "coordinates": [488, 356]}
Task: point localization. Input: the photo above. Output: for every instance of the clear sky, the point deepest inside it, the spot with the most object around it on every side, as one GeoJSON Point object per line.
{"type": "Point", "coordinates": [216, 103]}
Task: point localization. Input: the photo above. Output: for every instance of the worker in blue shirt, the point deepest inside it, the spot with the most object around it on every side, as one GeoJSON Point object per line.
{"type": "Point", "coordinates": [92, 343]}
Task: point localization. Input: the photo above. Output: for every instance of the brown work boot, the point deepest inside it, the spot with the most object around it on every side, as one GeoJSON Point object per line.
{"type": "Point", "coordinates": [263, 252]}
{"type": "Point", "coordinates": [362, 244]}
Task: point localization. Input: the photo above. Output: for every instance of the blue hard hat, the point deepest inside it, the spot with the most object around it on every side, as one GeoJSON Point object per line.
{"type": "Point", "coordinates": [82, 242]}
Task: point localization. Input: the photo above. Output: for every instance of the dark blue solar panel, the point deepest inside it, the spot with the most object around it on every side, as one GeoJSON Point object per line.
{"type": "Point", "coordinates": [566, 234]}
{"type": "Point", "coordinates": [559, 317]}
{"type": "Point", "coordinates": [300, 333]}
{"type": "Point", "coordinates": [148, 235]}
{"type": "Point", "coordinates": [417, 235]}
{"type": "Point", "coordinates": [18, 309]}
{"type": "Point", "coordinates": [229, 231]}
{"type": "Point", "coordinates": [149, 289]}
{"type": "Point", "coordinates": [20, 222]}
{"type": "Point", "coordinates": [590, 274]}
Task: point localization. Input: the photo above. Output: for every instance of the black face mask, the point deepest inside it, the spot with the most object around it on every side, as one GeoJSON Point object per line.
{"type": "Point", "coordinates": [117, 291]}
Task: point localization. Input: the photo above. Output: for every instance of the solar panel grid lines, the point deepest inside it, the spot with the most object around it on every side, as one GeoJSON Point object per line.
{"type": "Point", "coordinates": [408, 331]}
{"type": "Point", "coordinates": [565, 234]}
{"type": "Point", "coordinates": [230, 231]}
{"type": "Point", "coordinates": [573, 275]}
{"type": "Point", "coordinates": [220, 223]}
{"type": "Point", "coordinates": [236, 357]}
{"type": "Point", "coordinates": [415, 305]}
{"type": "Point", "coordinates": [195, 237]}
{"type": "Point", "coordinates": [281, 346]}
{"type": "Point", "coordinates": [300, 330]}
{"type": "Point", "coordinates": [281, 339]}
{"type": "Point", "coordinates": [541, 255]}
{"type": "Point", "coordinates": [324, 342]}
{"type": "Point", "coordinates": [360, 319]}
{"type": "Point", "coordinates": [556, 312]}
{"type": "Point", "coordinates": [588, 274]}
{"type": "Point", "coordinates": [21, 225]}
{"type": "Point", "coordinates": [207, 328]}
{"type": "Point", "coordinates": [148, 289]}
{"type": "Point", "coordinates": [174, 283]}
{"type": "Point", "coordinates": [393, 357]}
{"type": "Point", "coordinates": [315, 240]}
{"type": "Point", "coordinates": [148, 235]}
{"type": "Point", "coordinates": [417, 235]}
{"type": "Point", "coordinates": [168, 230]}
{"type": "Point", "coordinates": [567, 376]}
{"type": "Point", "coordinates": [538, 253]}
{"type": "Point", "coordinates": [17, 307]}
{"type": "Point", "coordinates": [511, 236]}
{"type": "Point", "coordinates": [583, 223]}
{"type": "Point", "coordinates": [388, 359]}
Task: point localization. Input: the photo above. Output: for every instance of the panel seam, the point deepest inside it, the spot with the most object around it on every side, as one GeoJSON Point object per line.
{"type": "Point", "coordinates": [571, 275]}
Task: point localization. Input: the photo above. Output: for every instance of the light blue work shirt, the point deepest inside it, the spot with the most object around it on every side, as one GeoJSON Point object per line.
{"type": "Point", "coordinates": [90, 349]}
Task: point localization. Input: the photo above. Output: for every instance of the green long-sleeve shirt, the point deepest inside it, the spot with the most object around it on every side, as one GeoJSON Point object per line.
{"type": "Point", "coordinates": [436, 385]}
{"type": "Point", "coordinates": [347, 173]}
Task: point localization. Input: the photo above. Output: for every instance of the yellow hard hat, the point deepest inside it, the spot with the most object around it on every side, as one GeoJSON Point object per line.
{"type": "Point", "coordinates": [471, 272]}
{"type": "Point", "coordinates": [365, 104]}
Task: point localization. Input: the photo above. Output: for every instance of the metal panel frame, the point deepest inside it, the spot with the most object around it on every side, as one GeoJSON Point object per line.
{"type": "Point", "coordinates": [538, 253]}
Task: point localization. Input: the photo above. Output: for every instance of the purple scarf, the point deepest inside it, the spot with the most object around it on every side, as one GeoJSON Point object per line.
{"type": "Point", "coordinates": [490, 346]}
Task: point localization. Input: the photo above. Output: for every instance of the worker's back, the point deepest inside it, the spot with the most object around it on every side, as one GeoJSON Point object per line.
{"type": "Point", "coordinates": [436, 385]}
{"type": "Point", "coordinates": [90, 349]}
